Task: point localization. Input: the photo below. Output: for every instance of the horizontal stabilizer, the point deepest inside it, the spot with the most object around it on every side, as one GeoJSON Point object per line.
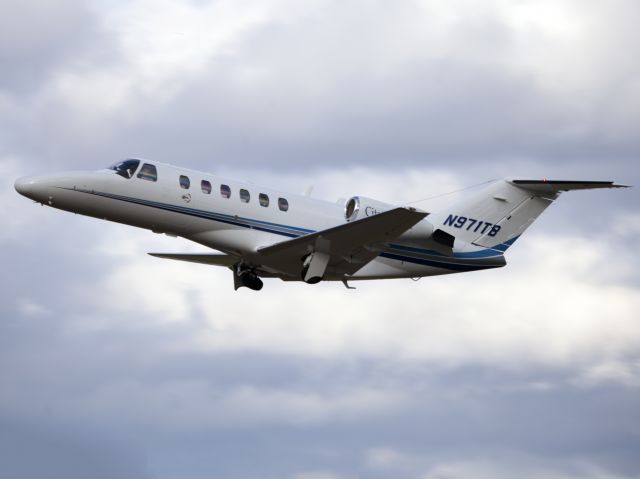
{"type": "Point", "coordinates": [553, 186]}
{"type": "Point", "coordinates": [212, 259]}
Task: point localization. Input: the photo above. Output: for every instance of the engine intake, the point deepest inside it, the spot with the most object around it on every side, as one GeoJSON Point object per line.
{"type": "Point", "coordinates": [359, 207]}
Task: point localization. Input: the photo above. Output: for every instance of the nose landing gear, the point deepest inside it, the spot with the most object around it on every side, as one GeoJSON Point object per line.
{"type": "Point", "coordinates": [245, 276]}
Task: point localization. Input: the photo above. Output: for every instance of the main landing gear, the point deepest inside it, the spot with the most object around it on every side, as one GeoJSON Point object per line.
{"type": "Point", "coordinates": [245, 276]}
{"type": "Point", "coordinates": [314, 266]}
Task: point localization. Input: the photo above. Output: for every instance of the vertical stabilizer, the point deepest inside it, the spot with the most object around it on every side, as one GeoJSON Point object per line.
{"type": "Point", "coordinates": [497, 215]}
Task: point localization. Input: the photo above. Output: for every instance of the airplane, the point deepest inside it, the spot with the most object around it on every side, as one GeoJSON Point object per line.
{"type": "Point", "coordinates": [260, 232]}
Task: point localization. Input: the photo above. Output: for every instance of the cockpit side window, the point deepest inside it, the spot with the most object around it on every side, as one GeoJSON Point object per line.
{"type": "Point", "coordinates": [126, 168]}
{"type": "Point", "coordinates": [148, 172]}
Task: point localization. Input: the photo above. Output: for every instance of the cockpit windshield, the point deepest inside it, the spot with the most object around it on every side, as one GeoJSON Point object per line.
{"type": "Point", "coordinates": [126, 168]}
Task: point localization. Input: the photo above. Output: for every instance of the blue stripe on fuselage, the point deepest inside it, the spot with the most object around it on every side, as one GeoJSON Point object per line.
{"type": "Point", "coordinates": [440, 264]}
{"type": "Point", "coordinates": [426, 257]}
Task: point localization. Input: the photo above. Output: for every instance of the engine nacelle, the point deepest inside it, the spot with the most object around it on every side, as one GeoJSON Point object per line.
{"type": "Point", "coordinates": [423, 234]}
{"type": "Point", "coordinates": [359, 207]}
{"type": "Point", "coordinates": [419, 233]}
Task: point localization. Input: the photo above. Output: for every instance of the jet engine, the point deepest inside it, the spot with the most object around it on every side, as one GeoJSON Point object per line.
{"type": "Point", "coordinates": [422, 234]}
{"type": "Point", "coordinates": [359, 207]}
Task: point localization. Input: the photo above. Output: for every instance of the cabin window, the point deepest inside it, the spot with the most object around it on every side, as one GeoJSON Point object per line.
{"type": "Point", "coordinates": [245, 196]}
{"type": "Point", "coordinates": [148, 172]}
{"type": "Point", "coordinates": [283, 204]}
{"type": "Point", "coordinates": [184, 182]}
{"type": "Point", "coordinates": [126, 168]}
{"type": "Point", "coordinates": [225, 191]}
{"type": "Point", "coordinates": [263, 199]}
{"type": "Point", "coordinates": [206, 187]}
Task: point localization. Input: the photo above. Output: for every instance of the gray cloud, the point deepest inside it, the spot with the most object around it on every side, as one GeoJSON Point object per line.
{"type": "Point", "coordinates": [342, 85]}
{"type": "Point", "coordinates": [41, 447]}
{"type": "Point", "coordinates": [118, 365]}
{"type": "Point", "coordinates": [87, 389]}
{"type": "Point", "coordinates": [40, 37]}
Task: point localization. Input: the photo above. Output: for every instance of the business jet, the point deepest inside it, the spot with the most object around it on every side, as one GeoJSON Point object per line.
{"type": "Point", "coordinates": [259, 232]}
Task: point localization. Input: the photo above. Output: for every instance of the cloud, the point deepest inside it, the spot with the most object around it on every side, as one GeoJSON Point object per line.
{"type": "Point", "coordinates": [46, 449]}
{"type": "Point", "coordinates": [621, 372]}
{"type": "Point", "coordinates": [286, 84]}
{"type": "Point", "coordinates": [586, 313]}
{"type": "Point", "coordinates": [173, 354]}
{"type": "Point", "coordinates": [30, 308]}
{"type": "Point", "coordinates": [161, 47]}
{"type": "Point", "coordinates": [116, 364]}
{"type": "Point", "coordinates": [38, 37]}
{"type": "Point", "coordinates": [495, 464]}
{"type": "Point", "coordinates": [317, 475]}
{"type": "Point", "coordinates": [12, 223]}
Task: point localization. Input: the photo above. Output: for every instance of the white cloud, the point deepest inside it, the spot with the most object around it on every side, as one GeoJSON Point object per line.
{"type": "Point", "coordinates": [22, 219]}
{"type": "Point", "coordinates": [317, 475]}
{"type": "Point", "coordinates": [339, 83]}
{"type": "Point", "coordinates": [165, 43]}
{"type": "Point", "coordinates": [417, 186]}
{"type": "Point", "coordinates": [497, 469]}
{"type": "Point", "coordinates": [197, 404]}
{"type": "Point", "coordinates": [30, 308]}
{"type": "Point", "coordinates": [162, 46]}
{"type": "Point", "coordinates": [11, 222]}
{"type": "Point", "coordinates": [284, 81]}
{"type": "Point", "coordinates": [500, 464]}
{"type": "Point", "coordinates": [568, 49]}
{"type": "Point", "coordinates": [252, 405]}
{"type": "Point", "coordinates": [627, 225]}
{"type": "Point", "coordinates": [614, 371]}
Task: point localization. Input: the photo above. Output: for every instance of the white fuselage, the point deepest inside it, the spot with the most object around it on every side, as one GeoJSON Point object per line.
{"type": "Point", "coordinates": [201, 213]}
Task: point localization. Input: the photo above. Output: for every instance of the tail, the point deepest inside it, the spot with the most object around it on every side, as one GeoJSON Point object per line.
{"type": "Point", "coordinates": [497, 215]}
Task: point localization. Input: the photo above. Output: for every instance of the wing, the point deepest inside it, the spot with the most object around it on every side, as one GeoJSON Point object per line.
{"type": "Point", "coordinates": [345, 248]}
{"type": "Point", "coordinates": [212, 259]}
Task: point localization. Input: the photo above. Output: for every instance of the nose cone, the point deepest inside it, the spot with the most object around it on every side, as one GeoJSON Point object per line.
{"type": "Point", "coordinates": [23, 185]}
{"type": "Point", "coordinates": [31, 187]}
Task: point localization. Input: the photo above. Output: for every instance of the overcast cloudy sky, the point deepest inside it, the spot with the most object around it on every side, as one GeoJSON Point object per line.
{"type": "Point", "coordinates": [114, 364]}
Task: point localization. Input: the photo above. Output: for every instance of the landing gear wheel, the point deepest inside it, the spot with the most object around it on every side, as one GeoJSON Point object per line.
{"type": "Point", "coordinates": [244, 276]}
{"type": "Point", "coordinates": [314, 266]}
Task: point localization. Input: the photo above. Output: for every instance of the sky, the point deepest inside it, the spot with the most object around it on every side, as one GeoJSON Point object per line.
{"type": "Point", "coordinates": [114, 364]}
